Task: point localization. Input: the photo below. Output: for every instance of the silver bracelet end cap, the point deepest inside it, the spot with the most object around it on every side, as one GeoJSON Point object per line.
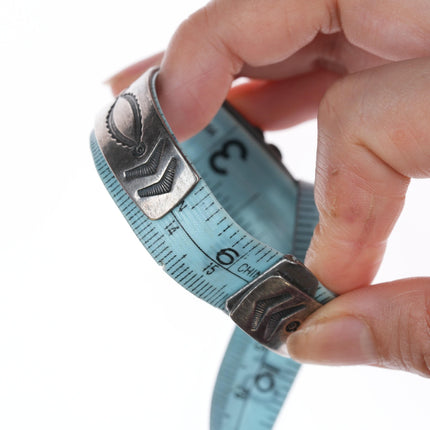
{"type": "Point", "coordinates": [276, 303]}
{"type": "Point", "coordinates": [142, 151]}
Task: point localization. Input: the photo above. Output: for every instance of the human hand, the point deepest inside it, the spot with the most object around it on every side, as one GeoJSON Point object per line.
{"type": "Point", "coordinates": [364, 67]}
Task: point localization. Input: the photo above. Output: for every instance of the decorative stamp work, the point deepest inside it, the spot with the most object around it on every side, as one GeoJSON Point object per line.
{"type": "Point", "coordinates": [141, 151]}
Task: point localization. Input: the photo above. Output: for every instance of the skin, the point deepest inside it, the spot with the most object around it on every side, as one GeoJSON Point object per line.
{"type": "Point", "coordinates": [363, 68]}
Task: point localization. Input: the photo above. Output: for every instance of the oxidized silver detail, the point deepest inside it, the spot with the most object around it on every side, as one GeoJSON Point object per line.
{"type": "Point", "coordinates": [275, 304]}
{"type": "Point", "coordinates": [141, 150]}
{"type": "Point", "coordinates": [149, 167]}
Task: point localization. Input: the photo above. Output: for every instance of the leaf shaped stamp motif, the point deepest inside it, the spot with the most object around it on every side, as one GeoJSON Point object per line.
{"type": "Point", "coordinates": [126, 133]}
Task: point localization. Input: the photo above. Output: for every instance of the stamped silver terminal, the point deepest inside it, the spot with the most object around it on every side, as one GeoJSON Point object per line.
{"type": "Point", "coordinates": [276, 303]}
{"type": "Point", "coordinates": [142, 151]}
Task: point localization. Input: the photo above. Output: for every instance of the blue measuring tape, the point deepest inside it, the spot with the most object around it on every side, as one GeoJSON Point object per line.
{"type": "Point", "coordinates": [219, 215]}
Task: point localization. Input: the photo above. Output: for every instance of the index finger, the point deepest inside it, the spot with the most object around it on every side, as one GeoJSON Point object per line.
{"type": "Point", "coordinates": [211, 47]}
{"type": "Point", "coordinates": [373, 137]}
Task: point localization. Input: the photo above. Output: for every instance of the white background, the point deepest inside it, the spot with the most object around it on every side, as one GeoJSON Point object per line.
{"type": "Point", "coordinates": [92, 334]}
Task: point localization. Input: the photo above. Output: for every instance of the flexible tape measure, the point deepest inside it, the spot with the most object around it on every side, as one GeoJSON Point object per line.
{"type": "Point", "coordinates": [219, 214]}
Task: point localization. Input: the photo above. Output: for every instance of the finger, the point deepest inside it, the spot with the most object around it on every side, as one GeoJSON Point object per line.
{"type": "Point", "coordinates": [384, 325]}
{"type": "Point", "coordinates": [212, 46]}
{"type": "Point", "coordinates": [266, 104]}
{"type": "Point", "coordinates": [329, 51]}
{"type": "Point", "coordinates": [125, 77]}
{"type": "Point", "coordinates": [373, 137]}
{"type": "Point", "coordinates": [274, 105]}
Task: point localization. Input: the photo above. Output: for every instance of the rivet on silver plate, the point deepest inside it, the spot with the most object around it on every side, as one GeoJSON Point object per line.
{"type": "Point", "coordinates": [276, 303]}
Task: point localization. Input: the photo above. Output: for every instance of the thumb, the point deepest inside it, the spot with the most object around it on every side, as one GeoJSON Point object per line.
{"type": "Point", "coordinates": [386, 325]}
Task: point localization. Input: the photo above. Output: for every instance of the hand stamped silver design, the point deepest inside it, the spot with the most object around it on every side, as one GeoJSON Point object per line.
{"type": "Point", "coordinates": [275, 304]}
{"type": "Point", "coordinates": [132, 137]}
{"type": "Point", "coordinates": [141, 150]}
{"type": "Point", "coordinates": [164, 185]}
{"type": "Point", "coordinates": [149, 167]}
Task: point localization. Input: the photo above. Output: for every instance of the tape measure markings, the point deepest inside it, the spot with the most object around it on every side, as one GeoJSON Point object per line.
{"type": "Point", "coordinates": [200, 249]}
{"type": "Point", "coordinates": [251, 386]}
{"type": "Point", "coordinates": [277, 192]}
{"type": "Point", "coordinates": [214, 253]}
{"type": "Point", "coordinates": [215, 295]}
{"type": "Point", "coordinates": [157, 236]}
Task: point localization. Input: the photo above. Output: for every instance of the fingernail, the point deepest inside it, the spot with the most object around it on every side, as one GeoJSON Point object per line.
{"type": "Point", "coordinates": [340, 341]}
